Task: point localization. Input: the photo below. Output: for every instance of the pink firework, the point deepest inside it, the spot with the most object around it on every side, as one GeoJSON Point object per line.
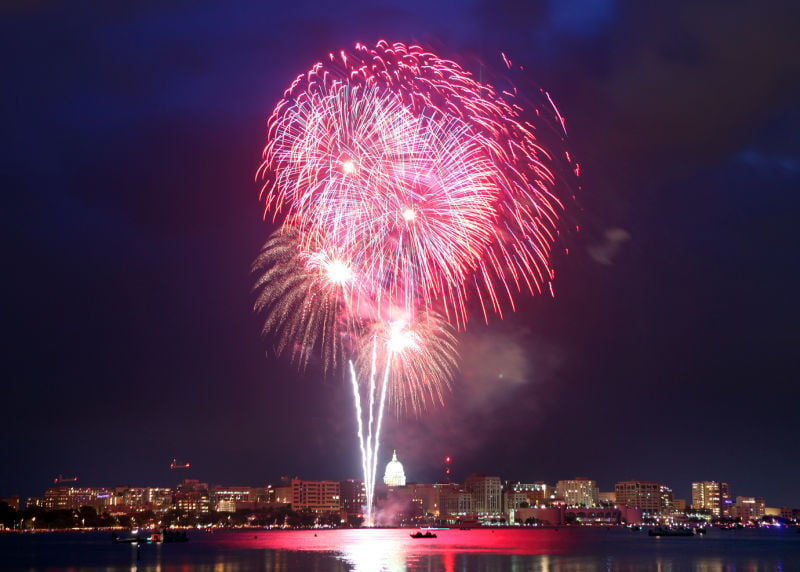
{"type": "Point", "coordinates": [406, 187]}
{"type": "Point", "coordinates": [408, 201]}
{"type": "Point", "coordinates": [431, 181]}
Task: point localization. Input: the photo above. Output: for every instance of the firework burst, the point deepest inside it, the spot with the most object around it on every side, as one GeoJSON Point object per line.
{"type": "Point", "coordinates": [408, 201]}
{"type": "Point", "coordinates": [313, 304]}
{"type": "Point", "coordinates": [379, 97]}
{"type": "Point", "coordinates": [406, 188]}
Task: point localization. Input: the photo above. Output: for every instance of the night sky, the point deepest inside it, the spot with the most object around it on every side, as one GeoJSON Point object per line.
{"type": "Point", "coordinates": [131, 137]}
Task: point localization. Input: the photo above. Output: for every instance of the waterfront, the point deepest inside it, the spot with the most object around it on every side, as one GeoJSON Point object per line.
{"type": "Point", "coordinates": [392, 550]}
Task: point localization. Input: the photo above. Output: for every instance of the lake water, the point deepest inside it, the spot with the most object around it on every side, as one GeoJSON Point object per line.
{"type": "Point", "coordinates": [394, 550]}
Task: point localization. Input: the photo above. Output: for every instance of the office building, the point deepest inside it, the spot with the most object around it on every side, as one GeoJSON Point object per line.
{"type": "Point", "coordinates": [579, 491]}
{"type": "Point", "coordinates": [487, 493]}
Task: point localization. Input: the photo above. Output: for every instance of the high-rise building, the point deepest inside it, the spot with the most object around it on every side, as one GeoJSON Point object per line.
{"type": "Point", "coordinates": [653, 498]}
{"type": "Point", "coordinates": [749, 508]}
{"type": "Point", "coordinates": [394, 476]}
{"type": "Point", "coordinates": [714, 496]}
{"type": "Point", "coordinates": [426, 496]}
{"type": "Point", "coordinates": [316, 496]}
{"type": "Point", "coordinates": [226, 499]}
{"type": "Point", "coordinates": [579, 491]}
{"type": "Point", "coordinates": [131, 498]}
{"type": "Point", "coordinates": [514, 499]}
{"type": "Point", "coordinates": [191, 496]}
{"type": "Point", "coordinates": [454, 503]}
{"type": "Point", "coordinates": [486, 491]}
{"type": "Point", "coordinates": [538, 493]}
{"type": "Point", "coordinates": [352, 495]}
{"type": "Point", "coordinates": [60, 498]}
{"type": "Point", "coordinates": [158, 498]}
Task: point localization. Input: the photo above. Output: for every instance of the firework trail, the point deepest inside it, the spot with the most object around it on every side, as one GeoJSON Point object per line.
{"type": "Point", "coordinates": [406, 188]}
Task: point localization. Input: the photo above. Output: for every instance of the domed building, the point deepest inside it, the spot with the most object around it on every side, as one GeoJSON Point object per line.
{"type": "Point", "coordinates": [394, 475]}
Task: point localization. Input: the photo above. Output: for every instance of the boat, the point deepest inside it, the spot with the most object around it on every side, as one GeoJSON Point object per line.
{"type": "Point", "coordinates": [419, 534]}
{"type": "Point", "coordinates": [663, 531]}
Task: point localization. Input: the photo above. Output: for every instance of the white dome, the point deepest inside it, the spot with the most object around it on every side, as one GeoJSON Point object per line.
{"type": "Point", "coordinates": [394, 475]}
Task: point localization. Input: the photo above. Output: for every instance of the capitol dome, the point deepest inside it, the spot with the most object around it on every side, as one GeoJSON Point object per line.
{"type": "Point", "coordinates": [394, 475]}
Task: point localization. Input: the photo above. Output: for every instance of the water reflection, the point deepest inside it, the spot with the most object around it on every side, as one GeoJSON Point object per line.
{"type": "Point", "coordinates": [382, 554]}
{"type": "Point", "coordinates": [589, 550]}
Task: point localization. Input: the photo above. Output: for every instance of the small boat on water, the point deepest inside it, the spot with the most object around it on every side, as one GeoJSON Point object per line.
{"type": "Point", "coordinates": [419, 534]}
{"type": "Point", "coordinates": [664, 531]}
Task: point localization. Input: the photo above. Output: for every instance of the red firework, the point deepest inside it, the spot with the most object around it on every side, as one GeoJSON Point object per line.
{"type": "Point", "coordinates": [430, 183]}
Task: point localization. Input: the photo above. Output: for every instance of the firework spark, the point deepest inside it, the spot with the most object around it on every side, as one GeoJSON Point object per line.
{"type": "Point", "coordinates": [302, 298]}
{"type": "Point", "coordinates": [409, 201]}
{"type": "Point", "coordinates": [406, 188]}
{"type": "Point", "coordinates": [312, 303]}
{"type": "Point", "coordinates": [512, 167]}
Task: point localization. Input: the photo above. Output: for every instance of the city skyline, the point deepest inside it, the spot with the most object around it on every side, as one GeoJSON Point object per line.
{"type": "Point", "coordinates": [576, 485]}
{"type": "Point", "coordinates": [133, 137]}
{"type": "Point", "coordinates": [481, 500]}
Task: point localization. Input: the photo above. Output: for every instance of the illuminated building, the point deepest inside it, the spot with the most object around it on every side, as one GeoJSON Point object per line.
{"type": "Point", "coordinates": [579, 491]}
{"type": "Point", "coordinates": [427, 497]}
{"type": "Point", "coordinates": [653, 498]}
{"type": "Point", "coordinates": [262, 496]}
{"type": "Point", "coordinates": [158, 498]}
{"type": "Point", "coordinates": [283, 494]}
{"type": "Point", "coordinates": [749, 508]}
{"type": "Point", "coordinates": [454, 504]}
{"type": "Point", "coordinates": [538, 493]}
{"type": "Point", "coordinates": [34, 502]}
{"type": "Point", "coordinates": [713, 496]}
{"type": "Point", "coordinates": [607, 498]}
{"type": "Point", "coordinates": [136, 499]}
{"type": "Point", "coordinates": [228, 499]}
{"type": "Point", "coordinates": [353, 496]}
{"type": "Point", "coordinates": [394, 476]}
{"type": "Point", "coordinates": [316, 496]}
{"type": "Point", "coordinates": [596, 515]}
{"type": "Point", "coordinates": [73, 498]}
{"type": "Point", "coordinates": [513, 499]}
{"type": "Point", "coordinates": [487, 493]}
{"type": "Point", "coordinates": [132, 498]}
{"type": "Point", "coordinates": [61, 498]}
{"type": "Point", "coordinates": [191, 496]}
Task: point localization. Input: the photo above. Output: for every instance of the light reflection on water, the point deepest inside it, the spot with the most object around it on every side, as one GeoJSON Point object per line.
{"type": "Point", "coordinates": [565, 550]}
